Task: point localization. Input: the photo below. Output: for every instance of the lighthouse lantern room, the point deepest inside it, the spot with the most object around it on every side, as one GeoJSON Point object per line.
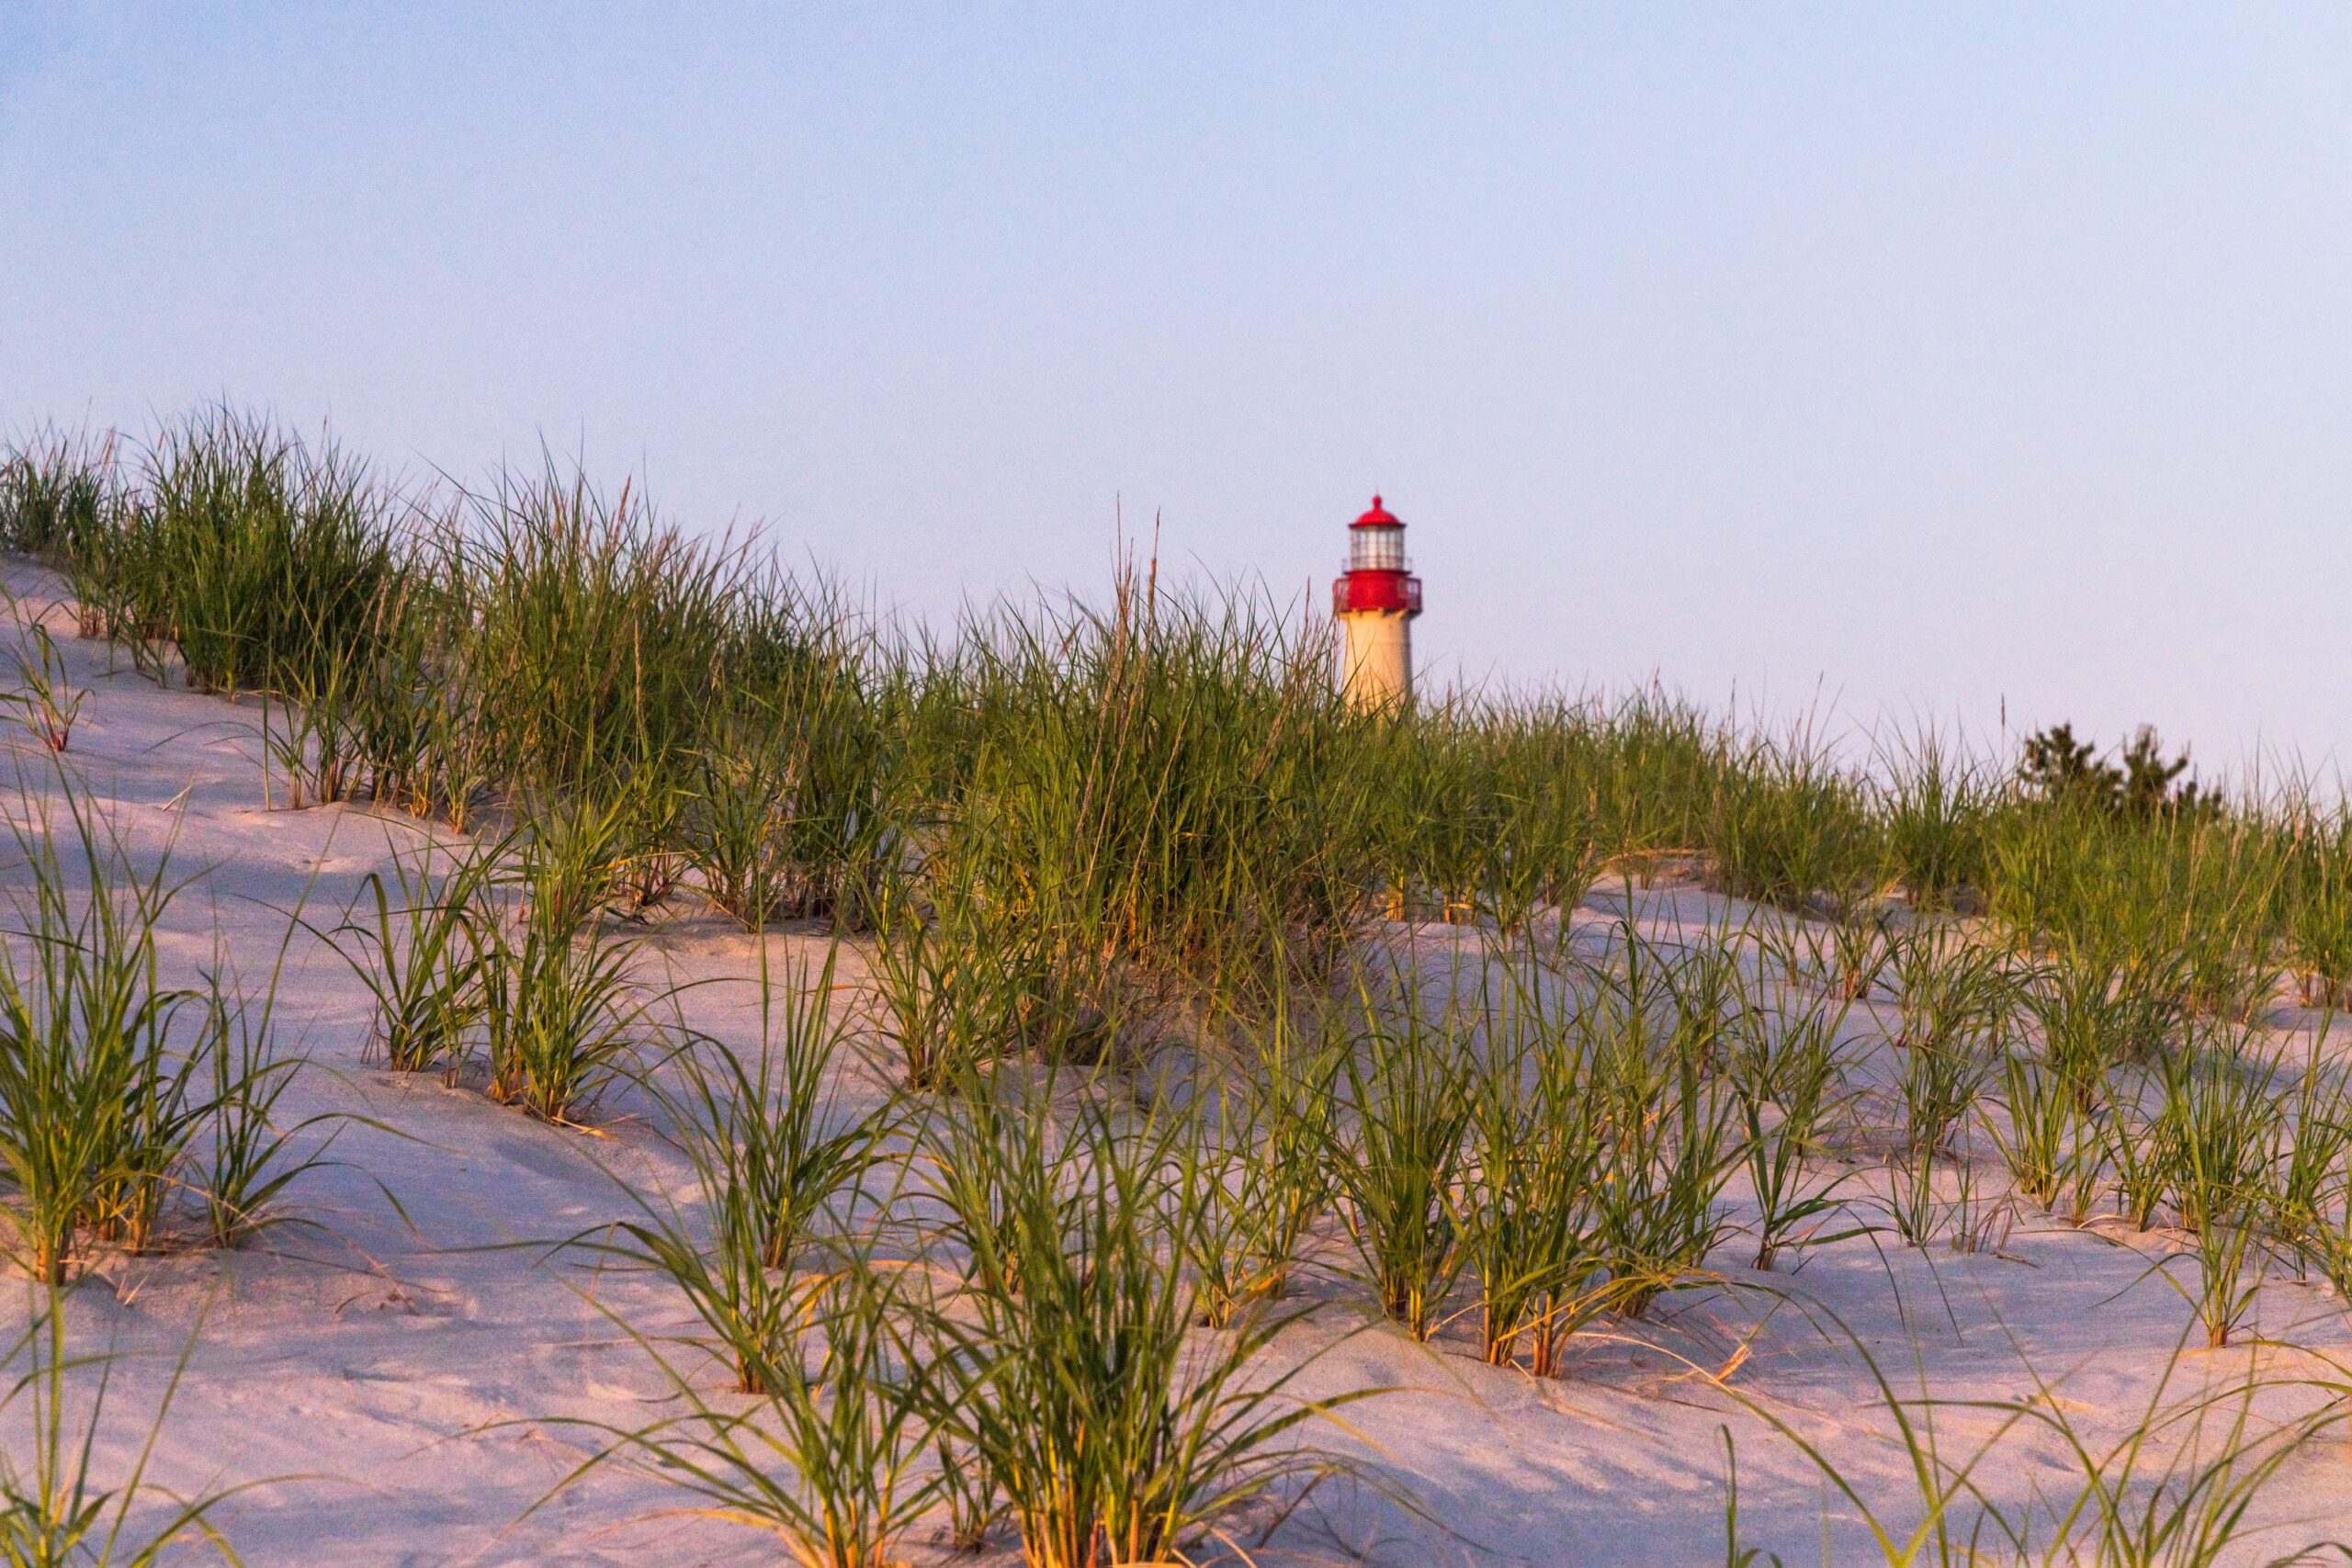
{"type": "Point", "coordinates": [1376, 603]}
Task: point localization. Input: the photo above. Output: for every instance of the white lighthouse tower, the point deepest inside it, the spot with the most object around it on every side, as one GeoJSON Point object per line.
{"type": "Point", "coordinates": [1376, 603]}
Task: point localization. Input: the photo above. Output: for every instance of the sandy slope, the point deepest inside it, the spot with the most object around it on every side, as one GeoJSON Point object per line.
{"type": "Point", "coordinates": [402, 1374]}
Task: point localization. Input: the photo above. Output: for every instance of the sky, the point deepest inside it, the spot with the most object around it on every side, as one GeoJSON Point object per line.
{"type": "Point", "coordinates": [1972, 366]}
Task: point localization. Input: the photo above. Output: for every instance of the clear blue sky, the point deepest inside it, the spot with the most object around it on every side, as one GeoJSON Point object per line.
{"type": "Point", "coordinates": [1934, 356]}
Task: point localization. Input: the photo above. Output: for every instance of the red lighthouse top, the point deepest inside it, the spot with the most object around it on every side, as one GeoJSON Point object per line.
{"type": "Point", "coordinates": [1377, 579]}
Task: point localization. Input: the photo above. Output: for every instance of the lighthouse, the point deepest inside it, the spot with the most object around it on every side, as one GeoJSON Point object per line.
{"type": "Point", "coordinates": [1375, 604]}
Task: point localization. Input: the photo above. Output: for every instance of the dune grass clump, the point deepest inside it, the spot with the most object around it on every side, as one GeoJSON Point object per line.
{"type": "Point", "coordinates": [1788, 1074]}
{"type": "Point", "coordinates": [562, 1017]}
{"type": "Point", "coordinates": [2047, 1136]}
{"type": "Point", "coordinates": [1252, 1167]}
{"type": "Point", "coordinates": [1936, 803]}
{"type": "Point", "coordinates": [1069, 1369]}
{"type": "Point", "coordinates": [419, 943]}
{"type": "Point", "coordinates": [262, 562]}
{"type": "Point", "coordinates": [56, 488]}
{"type": "Point", "coordinates": [1848, 955]}
{"type": "Point", "coordinates": [97, 1092]}
{"type": "Point", "coordinates": [2307, 1188]}
{"type": "Point", "coordinates": [122, 1096]}
{"type": "Point", "coordinates": [827, 1460]}
{"type": "Point", "coordinates": [1501, 813]}
{"type": "Point", "coordinates": [251, 1155]}
{"type": "Point", "coordinates": [2218, 1139]}
{"type": "Point", "coordinates": [261, 556]}
{"type": "Point", "coordinates": [1153, 793]}
{"type": "Point", "coordinates": [740, 827]}
{"type": "Point", "coordinates": [2064, 1108]}
{"type": "Point", "coordinates": [950, 977]}
{"type": "Point", "coordinates": [45, 698]}
{"type": "Point", "coordinates": [793, 808]}
{"type": "Point", "coordinates": [775, 1161]}
{"type": "Point", "coordinates": [588, 639]}
{"type": "Point", "coordinates": [1787, 825]}
{"type": "Point", "coordinates": [2316, 924]}
{"type": "Point", "coordinates": [1528, 1209]}
{"type": "Point", "coordinates": [1957, 1009]}
{"type": "Point", "coordinates": [1658, 1033]}
{"type": "Point", "coordinates": [63, 498]}
{"type": "Point", "coordinates": [1399, 1152]}
{"type": "Point", "coordinates": [502, 957]}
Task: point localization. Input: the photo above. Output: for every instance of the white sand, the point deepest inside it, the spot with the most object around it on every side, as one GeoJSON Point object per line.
{"type": "Point", "coordinates": [379, 1364]}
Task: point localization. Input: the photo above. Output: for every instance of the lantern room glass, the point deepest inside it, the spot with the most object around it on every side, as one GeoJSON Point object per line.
{"type": "Point", "coordinates": [1377, 549]}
